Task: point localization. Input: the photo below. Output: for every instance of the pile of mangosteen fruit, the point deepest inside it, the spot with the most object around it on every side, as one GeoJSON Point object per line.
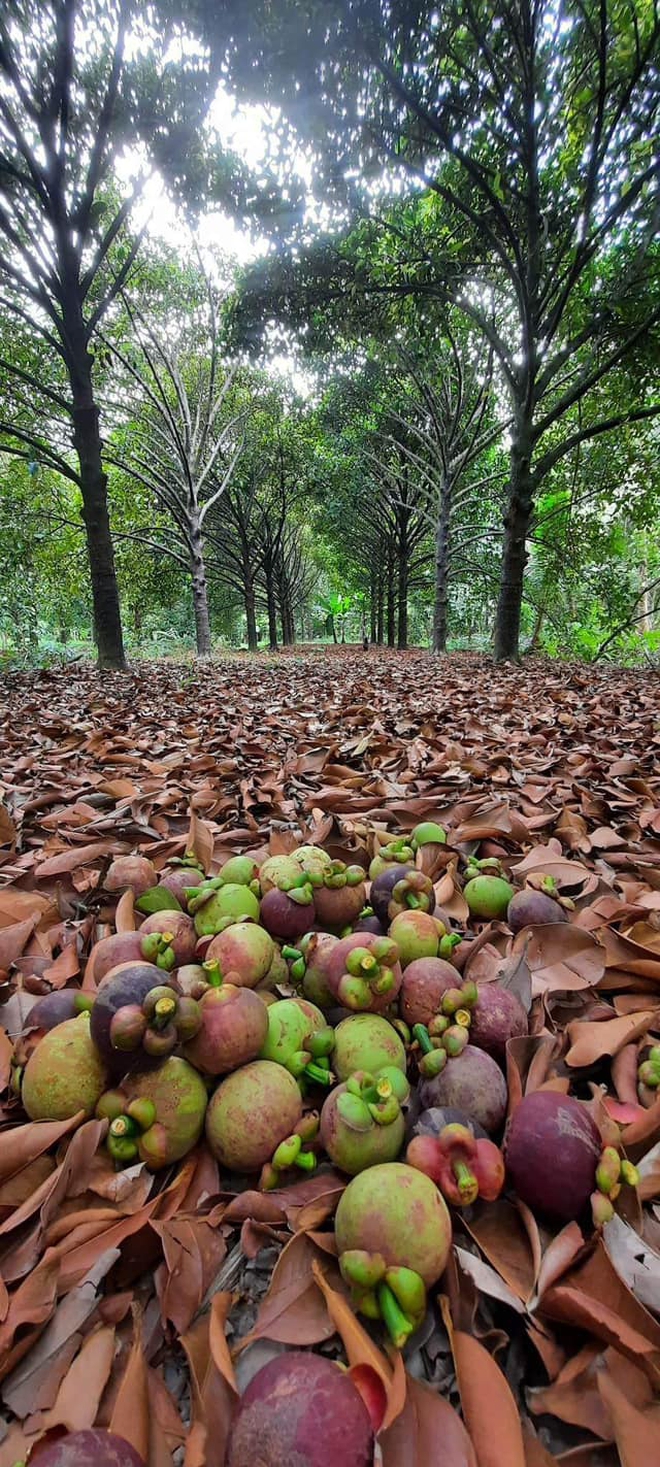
{"type": "Point", "coordinates": [305, 1012]}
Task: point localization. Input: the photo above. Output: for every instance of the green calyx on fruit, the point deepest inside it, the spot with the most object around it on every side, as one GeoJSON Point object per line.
{"type": "Point", "coordinates": [612, 1172]}
{"type": "Point", "coordinates": [294, 1151]}
{"type": "Point", "coordinates": [162, 1020]}
{"type": "Point", "coordinates": [369, 972]}
{"type": "Point", "coordinates": [299, 1038]}
{"type": "Point", "coordinates": [440, 1045]}
{"type": "Point", "coordinates": [648, 1073]}
{"type": "Point", "coordinates": [129, 1119]}
{"type": "Point", "coordinates": [414, 893]}
{"type": "Point", "coordinates": [463, 1167]}
{"type": "Point", "coordinates": [395, 1295]}
{"type": "Point", "coordinates": [397, 852]}
{"type": "Point", "coordinates": [157, 948]}
{"type": "Point", "coordinates": [427, 833]}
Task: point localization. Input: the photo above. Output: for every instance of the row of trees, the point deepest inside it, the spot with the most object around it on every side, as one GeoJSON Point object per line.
{"type": "Point", "coordinates": [484, 324]}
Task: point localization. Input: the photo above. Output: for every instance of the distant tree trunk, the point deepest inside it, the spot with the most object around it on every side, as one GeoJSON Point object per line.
{"type": "Point", "coordinates": [514, 557]}
{"type": "Point", "coordinates": [538, 627]}
{"type": "Point", "coordinates": [93, 485]}
{"type": "Point", "coordinates": [200, 591]}
{"type": "Point", "coordinates": [441, 603]}
{"type": "Point", "coordinates": [373, 607]}
{"type": "Point", "coordinates": [391, 600]}
{"type": "Point", "coordinates": [271, 604]}
{"type": "Point", "coordinates": [402, 586]}
{"type": "Point", "coordinates": [380, 610]}
{"type": "Point", "coordinates": [250, 608]}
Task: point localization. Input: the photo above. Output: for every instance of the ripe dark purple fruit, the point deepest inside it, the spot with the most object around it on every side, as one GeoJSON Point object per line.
{"type": "Point", "coordinates": [552, 1148]}
{"type": "Point", "coordinates": [56, 1007]}
{"type": "Point", "coordinates": [472, 1082]}
{"type": "Point", "coordinates": [285, 916]}
{"type": "Point", "coordinates": [93, 1448]}
{"type": "Point", "coordinates": [497, 1016]}
{"type": "Point", "coordinates": [381, 890]}
{"type": "Point", "coordinates": [533, 909]}
{"type": "Point", "coordinates": [129, 983]}
{"type": "Point", "coordinates": [303, 1410]}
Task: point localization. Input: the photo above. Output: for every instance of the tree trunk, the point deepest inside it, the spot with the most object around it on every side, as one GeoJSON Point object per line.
{"type": "Point", "coordinates": [272, 609]}
{"type": "Point", "coordinates": [373, 608]}
{"type": "Point", "coordinates": [94, 491]}
{"type": "Point", "coordinates": [538, 627]}
{"type": "Point", "coordinates": [250, 611]}
{"type": "Point", "coordinates": [391, 600]}
{"type": "Point", "coordinates": [200, 593]}
{"type": "Point", "coordinates": [402, 588]}
{"type": "Point", "coordinates": [514, 557]}
{"type": "Point", "coordinates": [380, 610]}
{"type": "Point", "coordinates": [441, 602]}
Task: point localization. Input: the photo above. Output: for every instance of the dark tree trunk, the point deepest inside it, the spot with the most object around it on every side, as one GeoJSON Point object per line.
{"type": "Point", "coordinates": [441, 602]}
{"type": "Point", "coordinates": [272, 609]}
{"type": "Point", "coordinates": [380, 610]}
{"type": "Point", "coordinates": [373, 608]}
{"type": "Point", "coordinates": [200, 593]}
{"type": "Point", "coordinates": [514, 557]}
{"type": "Point", "coordinates": [402, 588]}
{"type": "Point", "coordinates": [391, 601]}
{"type": "Point", "coordinates": [250, 608]}
{"type": "Point", "coordinates": [538, 628]}
{"type": "Point", "coordinates": [94, 491]}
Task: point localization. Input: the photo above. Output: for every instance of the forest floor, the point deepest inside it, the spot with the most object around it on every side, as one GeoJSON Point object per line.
{"type": "Point", "coordinates": [102, 1275]}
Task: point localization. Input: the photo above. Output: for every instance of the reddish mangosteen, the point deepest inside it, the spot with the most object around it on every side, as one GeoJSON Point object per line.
{"type": "Point", "coordinates": [363, 972]}
{"type": "Point", "coordinates": [180, 881]}
{"type": "Point", "coordinates": [91, 1448]}
{"type": "Point", "coordinates": [233, 1029]}
{"type": "Point", "coordinates": [303, 1410]}
{"type": "Point", "coordinates": [180, 930]}
{"type": "Point", "coordinates": [381, 889]}
{"type": "Point", "coordinates": [278, 972]}
{"type": "Point", "coordinates": [531, 908]}
{"type": "Point", "coordinates": [552, 1148]}
{"type": "Point", "coordinates": [124, 987]}
{"type": "Point", "coordinates": [244, 950]}
{"type": "Point", "coordinates": [288, 914]}
{"type": "Point", "coordinates": [250, 1113]}
{"type": "Point", "coordinates": [432, 1122]}
{"type": "Point", "coordinates": [417, 935]}
{"type": "Point", "coordinates": [472, 1082]}
{"type": "Point", "coordinates": [339, 895]}
{"type": "Point", "coordinates": [497, 1016]}
{"type": "Point", "coordinates": [121, 947]}
{"type": "Point", "coordinates": [56, 1007]}
{"type": "Point", "coordinates": [135, 872]}
{"type": "Point", "coordinates": [368, 922]}
{"type": "Point", "coordinates": [425, 981]}
{"type": "Point", "coordinates": [64, 1074]}
{"type": "Point", "coordinates": [310, 962]}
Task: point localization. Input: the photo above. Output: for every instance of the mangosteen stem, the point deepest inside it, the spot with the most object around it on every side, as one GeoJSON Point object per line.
{"type": "Point", "coordinates": [292, 954]}
{"type": "Point", "coordinates": [163, 1013]}
{"type": "Point", "coordinates": [468, 1185]}
{"type": "Point", "coordinates": [398, 1326]}
{"type": "Point", "coordinates": [315, 1072]}
{"type": "Point", "coordinates": [213, 974]}
{"type": "Point", "coordinates": [306, 1160]}
{"type": "Point", "coordinates": [421, 1034]}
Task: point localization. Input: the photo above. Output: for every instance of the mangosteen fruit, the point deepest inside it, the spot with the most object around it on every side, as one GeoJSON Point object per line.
{"type": "Point", "coordinates": [56, 1007]}
{"type": "Point", "coordinates": [417, 935]}
{"type": "Point", "coordinates": [289, 914]}
{"type": "Point", "coordinates": [298, 1037]}
{"type": "Point", "coordinates": [339, 896]}
{"type": "Point", "coordinates": [135, 872]}
{"type": "Point", "coordinates": [366, 1042]}
{"type": "Point", "coordinates": [279, 871]}
{"type": "Point", "coordinates": [179, 931]}
{"type": "Point", "coordinates": [472, 1082]}
{"type": "Point", "coordinates": [381, 889]}
{"type": "Point", "coordinates": [245, 950]}
{"type": "Point", "coordinates": [169, 1105]}
{"type": "Point", "coordinates": [488, 897]}
{"type": "Point", "coordinates": [425, 982]}
{"type": "Point", "coordinates": [362, 1123]}
{"type": "Point", "coordinates": [217, 907]}
{"type": "Point", "coordinates": [250, 1113]}
{"type": "Point", "coordinates": [300, 1409]}
{"type": "Point", "coordinates": [497, 1016]}
{"type": "Point", "coordinates": [531, 908]}
{"type": "Point", "coordinates": [552, 1148]}
{"type": "Point", "coordinates": [93, 1447]}
{"type": "Point", "coordinates": [234, 1024]}
{"type": "Point", "coordinates": [363, 972]}
{"type": "Point", "coordinates": [393, 1234]}
{"type": "Point", "coordinates": [64, 1074]}
{"type": "Point", "coordinates": [124, 987]}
